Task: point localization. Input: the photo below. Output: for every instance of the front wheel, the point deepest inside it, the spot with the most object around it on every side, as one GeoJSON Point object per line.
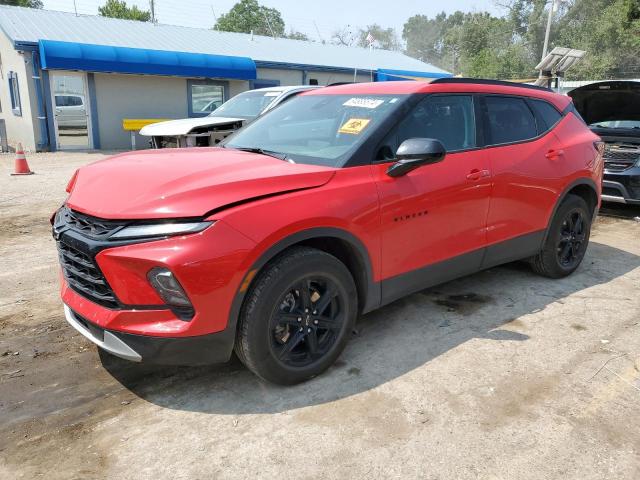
{"type": "Point", "coordinates": [567, 239]}
{"type": "Point", "coordinates": [297, 317]}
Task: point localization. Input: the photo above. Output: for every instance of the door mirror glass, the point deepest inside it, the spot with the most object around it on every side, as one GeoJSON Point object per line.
{"type": "Point", "coordinates": [414, 153]}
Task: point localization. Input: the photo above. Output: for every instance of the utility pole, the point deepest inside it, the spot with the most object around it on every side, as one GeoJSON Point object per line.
{"type": "Point", "coordinates": [546, 35]}
{"type": "Point", "coordinates": [152, 6]}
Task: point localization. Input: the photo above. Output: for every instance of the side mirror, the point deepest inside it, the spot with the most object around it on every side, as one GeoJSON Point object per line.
{"type": "Point", "coordinates": [414, 153]}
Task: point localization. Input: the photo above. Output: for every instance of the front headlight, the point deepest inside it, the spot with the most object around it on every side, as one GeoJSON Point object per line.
{"type": "Point", "coordinates": [160, 230]}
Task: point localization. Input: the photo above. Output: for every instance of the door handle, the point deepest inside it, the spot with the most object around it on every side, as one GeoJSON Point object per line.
{"type": "Point", "coordinates": [553, 154]}
{"type": "Point", "coordinates": [476, 174]}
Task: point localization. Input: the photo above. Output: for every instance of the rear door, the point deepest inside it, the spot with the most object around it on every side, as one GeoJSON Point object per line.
{"type": "Point", "coordinates": [527, 161]}
{"type": "Point", "coordinates": [436, 212]}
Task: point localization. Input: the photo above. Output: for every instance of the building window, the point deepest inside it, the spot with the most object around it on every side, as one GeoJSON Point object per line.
{"type": "Point", "coordinates": [14, 93]}
{"type": "Point", "coordinates": [205, 96]}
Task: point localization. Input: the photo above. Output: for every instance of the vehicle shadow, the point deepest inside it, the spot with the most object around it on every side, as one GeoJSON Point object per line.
{"type": "Point", "coordinates": [388, 343]}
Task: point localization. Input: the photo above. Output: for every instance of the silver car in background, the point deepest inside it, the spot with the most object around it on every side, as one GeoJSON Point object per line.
{"type": "Point", "coordinates": [222, 121]}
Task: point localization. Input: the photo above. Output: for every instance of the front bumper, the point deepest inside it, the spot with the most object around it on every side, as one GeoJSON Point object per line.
{"type": "Point", "coordinates": [622, 187]}
{"type": "Point", "coordinates": [191, 351]}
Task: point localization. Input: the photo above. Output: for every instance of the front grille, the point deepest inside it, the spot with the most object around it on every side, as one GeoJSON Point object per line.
{"type": "Point", "coordinates": [79, 237]}
{"type": "Point", "coordinates": [84, 276]}
{"type": "Point", "coordinates": [92, 227]}
{"type": "Point", "coordinates": [620, 156]}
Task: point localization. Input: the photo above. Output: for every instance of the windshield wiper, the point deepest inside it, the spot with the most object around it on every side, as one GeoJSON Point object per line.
{"type": "Point", "coordinates": [262, 151]}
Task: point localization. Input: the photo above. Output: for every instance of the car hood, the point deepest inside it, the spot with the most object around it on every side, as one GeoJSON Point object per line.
{"type": "Point", "coordinates": [605, 101]}
{"type": "Point", "coordinates": [184, 183]}
{"type": "Point", "coordinates": [184, 125]}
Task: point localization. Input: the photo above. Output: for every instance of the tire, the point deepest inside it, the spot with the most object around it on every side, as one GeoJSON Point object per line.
{"type": "Point", "coordinates": [277, 339]}
{"type": "Point", "coordinates": [567, 239]}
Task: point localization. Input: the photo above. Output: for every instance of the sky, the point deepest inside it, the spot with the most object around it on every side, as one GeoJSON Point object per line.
{"type": "Point", "coordinates": [317, 18]}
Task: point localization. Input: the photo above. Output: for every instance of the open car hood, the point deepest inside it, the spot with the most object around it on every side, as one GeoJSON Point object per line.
{"type": "Point", "coordinates": [607, 101]}
{"type": "Point", "coordinates": [185, 125]}
{"type": "Point", "coordinates": [184, 183]}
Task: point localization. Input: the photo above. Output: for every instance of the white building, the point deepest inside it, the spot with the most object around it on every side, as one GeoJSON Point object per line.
{"type": "Point", "coordinates": [68, 81]}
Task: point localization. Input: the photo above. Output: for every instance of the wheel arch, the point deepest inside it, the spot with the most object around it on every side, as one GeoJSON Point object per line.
{"type": "Point", "coordinates": [582, 187]}
{"type": "Point", "coordinates": [342, 244]}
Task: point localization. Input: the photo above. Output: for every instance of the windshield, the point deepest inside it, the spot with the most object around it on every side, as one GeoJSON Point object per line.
{"type": "Point", "coordinates": [617, 124]}
{"type": "Point", "coordinates": [317, 129]}
{"type": "Point", "coordinates": [246, 105]}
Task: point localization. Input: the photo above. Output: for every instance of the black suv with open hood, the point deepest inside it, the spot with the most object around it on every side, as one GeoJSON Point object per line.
{"type": "Point", "coordinates": [612, 111]}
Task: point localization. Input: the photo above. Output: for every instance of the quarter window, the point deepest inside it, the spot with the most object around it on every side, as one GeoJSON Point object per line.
{"type": "Point", "coordinates": [510, 120]}
{"type": "Point", "coordinates": [546, 115]}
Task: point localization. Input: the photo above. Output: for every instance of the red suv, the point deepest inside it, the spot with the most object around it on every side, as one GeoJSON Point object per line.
{"type": "Point", "coordinates": [337, 202]}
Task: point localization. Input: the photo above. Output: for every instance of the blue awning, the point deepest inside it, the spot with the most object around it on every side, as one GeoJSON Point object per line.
{"type": "Point", "coordinates": [386, 75]}
{"type": "Point", "coordinates": [104, 58]}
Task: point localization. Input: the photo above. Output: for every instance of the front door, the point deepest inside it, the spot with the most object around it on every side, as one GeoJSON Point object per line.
{"type": "Point", "coordinates": [71, 113]}
{"type": "Point", "coordinates": [433, 219]}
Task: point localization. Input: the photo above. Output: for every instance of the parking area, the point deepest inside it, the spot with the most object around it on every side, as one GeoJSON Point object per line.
{"type": "Point", "coordinates": [498, 375]}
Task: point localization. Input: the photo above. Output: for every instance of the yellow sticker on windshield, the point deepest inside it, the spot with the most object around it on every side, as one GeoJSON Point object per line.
{"type": "Point", "coordinates": [354, 125]}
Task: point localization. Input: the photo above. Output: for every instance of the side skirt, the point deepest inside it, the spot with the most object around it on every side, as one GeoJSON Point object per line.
{"type": "Point", "coordinates": [504, 252]}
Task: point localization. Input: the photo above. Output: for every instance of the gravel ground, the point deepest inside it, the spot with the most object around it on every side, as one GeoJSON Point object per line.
{"type": "Point", "coordinates": [500, 375]}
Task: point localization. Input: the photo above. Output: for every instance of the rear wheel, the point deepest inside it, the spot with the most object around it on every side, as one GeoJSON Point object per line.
{"type": "Point", "coordinates": [567, 239]}
{"type": "Point", "coordinates": [297, 317]}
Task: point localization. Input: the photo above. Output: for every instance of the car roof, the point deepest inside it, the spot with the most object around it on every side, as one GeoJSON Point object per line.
{"type": "Point", "coordinates": [453, 85]}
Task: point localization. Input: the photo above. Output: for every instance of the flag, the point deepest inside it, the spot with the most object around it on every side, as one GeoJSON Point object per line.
{"type": "Point", "coordinates": [370, 39]}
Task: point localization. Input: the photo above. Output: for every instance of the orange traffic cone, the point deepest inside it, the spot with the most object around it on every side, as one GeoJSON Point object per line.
{"type": "Point", "coordinates": [21, 165]}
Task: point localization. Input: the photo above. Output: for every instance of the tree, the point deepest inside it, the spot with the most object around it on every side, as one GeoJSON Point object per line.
{"type": "Point", "coordinates": [248, 15]}
{"type": "Point", "coordinates": [344, 36]}
{"type": "Point", "coordinates": [475, 44]}
{"type": "Point", "coordinates": [23, 3]}
{"type": "Point", "coordinates": [609, 31]}
{"type": "Point", "coordinates": [119, 9]}
{"type": "Point", "coordinates": [384, 38]}
{"type": "Point", "coordinates": [296, 35]}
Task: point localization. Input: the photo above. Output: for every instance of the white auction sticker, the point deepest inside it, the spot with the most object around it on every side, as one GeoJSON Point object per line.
{"type": "Point", "coordinates": [363, 102]}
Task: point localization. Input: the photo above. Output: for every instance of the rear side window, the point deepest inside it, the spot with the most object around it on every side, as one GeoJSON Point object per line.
{"type": "Point", "coordinates": [546, 115]}
{"type": "Point", "coordinates": [510, 120]}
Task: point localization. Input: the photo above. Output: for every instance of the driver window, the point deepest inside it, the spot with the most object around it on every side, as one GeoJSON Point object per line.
{"type": "Point", "coordinates": [448, 118]}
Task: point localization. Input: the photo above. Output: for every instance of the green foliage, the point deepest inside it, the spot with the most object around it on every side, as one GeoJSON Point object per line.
{"type": "Point", "coordinates": [384, 38]}
{"type": "Point", "coordinates": [119, 9]}
{"type": "Point", "coordinates": [249, 15]}
{"type": "Point", "coordinates": [610, 33]}
{"type": "Point", "coordinates": [508, 47]}
{"type": "Point", "coordinates": [22, 3]}
{"type": "Point", "coordinates": [295, 35]}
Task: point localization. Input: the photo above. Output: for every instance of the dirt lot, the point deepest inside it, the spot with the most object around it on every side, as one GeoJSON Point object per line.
{"type": "Point", "coordinates": [501, 375]}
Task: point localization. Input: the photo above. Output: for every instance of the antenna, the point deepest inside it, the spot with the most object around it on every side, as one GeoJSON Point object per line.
{"type": "Point", "coordinates": [318, 32]}
{"type": "Point", "coordinates": [215, 18]}
{"type": "Point", "coordinates": [269, 25]}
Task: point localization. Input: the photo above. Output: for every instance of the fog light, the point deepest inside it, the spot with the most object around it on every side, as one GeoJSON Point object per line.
{"type": "Point", "coordinates": [168, 287]}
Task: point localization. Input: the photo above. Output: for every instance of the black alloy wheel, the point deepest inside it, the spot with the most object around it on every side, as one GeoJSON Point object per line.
{"type": "Point", "coordinates": [297, 316]}
{"type": "Point", "coordinates": [306, 325]}
{"type": "Point", "coordinates": [567, 239]}
{"type": "Point", "coordinates": [571, 241]}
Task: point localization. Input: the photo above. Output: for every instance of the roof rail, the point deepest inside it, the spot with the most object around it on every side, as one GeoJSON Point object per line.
{"type": "Point", "coordinates": [483, 81]}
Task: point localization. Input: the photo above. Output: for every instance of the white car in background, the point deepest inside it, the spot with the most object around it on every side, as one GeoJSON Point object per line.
{"type": "Point", "coordinates": [222, 122]}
